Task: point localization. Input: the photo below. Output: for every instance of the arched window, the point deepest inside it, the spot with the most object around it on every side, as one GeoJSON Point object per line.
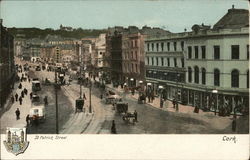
{"type": "Point", "coordinates": [189, 74]}
{"type": "Point", "coordinates": [217, 77]}
{"type": "Point", "coordinates": [203, 75]}
{"type": "Point", "coordinates": [248, 79]}
{"type": "Point", "coordinates": [196, 74]}
{"type": "Point", "coordinates": [235, 78]}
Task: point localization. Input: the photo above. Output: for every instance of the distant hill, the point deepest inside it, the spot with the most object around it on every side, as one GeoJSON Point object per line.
{"type": "Point", "coordinates": [28, 33]}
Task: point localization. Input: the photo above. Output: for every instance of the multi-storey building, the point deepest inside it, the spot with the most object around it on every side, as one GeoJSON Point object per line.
{"type": "Point", "coordinates": [7, 65]}
{"type": "Point", "coordinates": [206, 67]}
{"type": "Point", "coordinates": [98, 52]}
{"type": "Point", "coordinates": [133, 53]}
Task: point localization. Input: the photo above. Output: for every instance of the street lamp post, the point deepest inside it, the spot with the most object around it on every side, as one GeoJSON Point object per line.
{"type": "Point", "coordinates": [215, 91]}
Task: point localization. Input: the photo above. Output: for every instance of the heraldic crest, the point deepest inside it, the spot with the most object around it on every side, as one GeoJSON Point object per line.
{"type": "Point", "coordinates": [16, 140]}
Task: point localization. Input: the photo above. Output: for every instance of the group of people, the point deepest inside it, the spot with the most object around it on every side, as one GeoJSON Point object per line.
{"type": "Point", "coordinates": [23, 93]}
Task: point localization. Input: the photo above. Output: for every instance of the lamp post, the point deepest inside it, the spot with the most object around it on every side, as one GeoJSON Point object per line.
{"type": "Point", "coordinates": [90, 107]}
{"type": "Point", "coordinates": [215, 91]}
{"type": "Point", "coordinates": [56, 85]}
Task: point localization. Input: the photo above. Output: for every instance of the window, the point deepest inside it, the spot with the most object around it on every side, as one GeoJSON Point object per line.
{"type": "Point", "coordinates": [135, 43]}
{"type": "Point", "coordinates": [136, 68]}
{"type": "Point", "coordinates": [235, 78]}
{"type": "Point", "coordinates": [168, 62]}
{"type": "Point", "coordinates": [162, 46]}
{"type": "Point", "coordinates": [148, 46]}
{"type": "Point", "coordinates": [182, 63]}
{"type": "Point", "coordinates": [131, 54]}
{"type": "Point", "coordinates": [168, 45]}
{"type": "Point", "coordinates": [175, 62]}
{"type": "Point", "coordinates": [189, 52]}
{"type": "Point", "coordinates": [203, 52]}
{"type": "Point", "coordinates": [152, 46]}
{"type": "Point", "coordinates": [148, 60]}
{"type": "Point", "coordinates": [182, 45]}
{"type": "Point", "coordinates": [156, 61]}
{"type": "Point", "coordinates": [135, 55]}
{"type": "Point", "coordinates": [132, 67]}
{"type": "Point", "coordinates": [216, 77]}
{"type": "Point", "coordinates": [216, 52]}
{"type": "Point", "coordinates": [175, 46]}
{"type": "Point", "coordinates": [196, 51]}
{"type": "Point", "coordinates": [196, 75]}
{"type": "Point", "coordinates": [157, 47]}
{"type": "Point", "coordinates": [248, 79]}
{"type": "Point", "coordinates": [100, 53]}
{"type": "Point", "coordinates": [189, 74]}
{"type": "Point", "coordinates": [162, 61]}
{"type": "Point", "coordinates": [247, 51]}
{"type": "Point", "coordinates": [235, 51]}
{"type": "Point", "coordinates": [203, 75]}
{"type": "Point", "coordinates": [152, 59]}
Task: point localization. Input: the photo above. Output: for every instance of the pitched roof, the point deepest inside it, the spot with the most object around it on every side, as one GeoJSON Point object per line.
{"type": "Point", "coordinates": [235, 18]}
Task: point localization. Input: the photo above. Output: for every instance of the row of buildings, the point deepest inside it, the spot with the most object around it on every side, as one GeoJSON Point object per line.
{"type": "Point", "coordinates": [7, 65]}
{"type": "Point", "coordinates": [206, 67]}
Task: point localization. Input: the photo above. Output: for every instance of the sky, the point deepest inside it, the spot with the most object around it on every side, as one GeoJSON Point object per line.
{"type": "Point", "coordinates": [172, 15]}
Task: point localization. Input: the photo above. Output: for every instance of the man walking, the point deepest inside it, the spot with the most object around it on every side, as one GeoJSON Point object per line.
{"type": "Point", "coordinates": [31, 94]}
{"type": "Point", "coordinates": [20, 100]}
{"type": "Point", "coordinates": [161, 103]}
{"type": "Point", "coordinates": [16, 96]}
{"type": "Point", "coordinates": [27, 120]}
{"type": "Point", "coordinates": [17, 114]}
{"type": "Point", "coordinates": [22, 94]}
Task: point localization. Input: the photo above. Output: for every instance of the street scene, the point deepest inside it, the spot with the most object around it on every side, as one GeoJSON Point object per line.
{"type": "Point", "coordinates": [127, 79]}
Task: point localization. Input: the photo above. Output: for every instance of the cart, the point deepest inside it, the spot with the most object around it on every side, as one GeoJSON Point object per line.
{"type": "Point", "coordinates": [111, 99]}
{"type": "Point", "coordinates": [129, 117]}
{"type": "Point", "coordinates": [121, 107]}
{"type": "Point", "coordinates": [79, 104]}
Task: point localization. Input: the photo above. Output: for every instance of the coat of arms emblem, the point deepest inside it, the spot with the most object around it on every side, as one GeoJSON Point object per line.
{"type": "Point", "coordinates": [16, 140]}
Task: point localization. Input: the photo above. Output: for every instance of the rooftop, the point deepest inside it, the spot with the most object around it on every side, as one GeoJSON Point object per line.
{"type": "Point", "coordinates": [235, 18]}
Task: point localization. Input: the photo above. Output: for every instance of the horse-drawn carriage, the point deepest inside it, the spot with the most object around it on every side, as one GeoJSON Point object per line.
{"type": "Point", "coordinates": [79, 104]}
{"type": "Point", "coordinates": [111, 99]}
{"type": "Point", "coordinates": [129, 117]}
{"type": "Point", "coordinates": [122, 109]}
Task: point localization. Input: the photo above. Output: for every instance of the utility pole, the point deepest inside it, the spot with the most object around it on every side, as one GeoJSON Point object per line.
{"type": "Point", "coordinates": [80, 53]}
{"type": "Point", "coordinates": [90, 86]}
{"type": "Point", "coordinates": [56, 85]}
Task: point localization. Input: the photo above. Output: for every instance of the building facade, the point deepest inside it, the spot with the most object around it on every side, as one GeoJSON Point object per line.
{"type": "Point", "coordinates": [208, 67]}
{"type": "Point", "coordinates": [7, 65]}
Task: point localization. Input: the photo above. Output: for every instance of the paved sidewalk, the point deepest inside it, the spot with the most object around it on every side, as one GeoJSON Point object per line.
{"type": "Point", "coordinates": [167, 106]}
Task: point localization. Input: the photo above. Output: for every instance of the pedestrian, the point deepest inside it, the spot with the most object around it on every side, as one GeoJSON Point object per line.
{"type": "Point", "coordinates": [12, 99]}
{"type": "Point", "coordinates": [84, 97]}
{"type": "Point", "coordinates": [20, 86]}
{"type": "Point", "coordinates": [16, 96]}
{"type": "Point", "coordinates": [20, 100]}
{"type": "Point", "coordinates": [29, 80]}
{"type": "Point", "coordinates": [25, 91]}
{"type": "Point", "coordinates": [45, 100]}
{"type": "Point", "coordinates": [161, 103]}
{"type": "Point", "coordinates": [113, 128]}
{"type": "Point", "coordinates": [27, 120]}
{"type": "Point", "coordinates": [22, 94]}
{"type": "Point", "coordinates": [174, 102]}
{"type": "Point", "coordinates": [17, 114]}
{"type": "Point", "coordinates": [31, 94]}
{"type": "Point", "coordinates": [135, 114]}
